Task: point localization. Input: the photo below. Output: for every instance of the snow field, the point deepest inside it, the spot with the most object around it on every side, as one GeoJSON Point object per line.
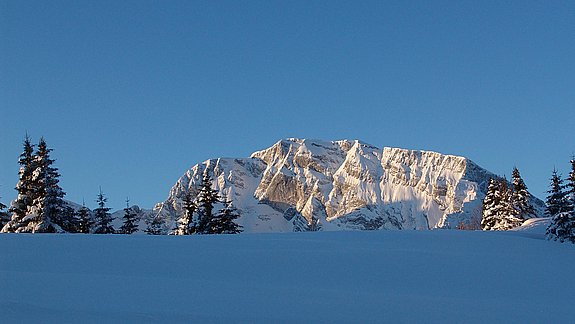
{"type": "Point", "coordinates": [435, 276]}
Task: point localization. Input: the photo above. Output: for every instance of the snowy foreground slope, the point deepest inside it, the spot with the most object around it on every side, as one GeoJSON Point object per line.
{"type": "Point", "coordinates": [331, 277]}
{"type": "Point", "coordinates": [342, 184]}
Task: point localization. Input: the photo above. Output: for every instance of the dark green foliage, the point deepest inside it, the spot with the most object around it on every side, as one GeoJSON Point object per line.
{"type": "Point", "coordinates": [85, 222]}
{"type": "Point", "coordinates": [20, 207]}
{"type": "Point", "coordinates": [102, 217]}
{"type": "Point", "coordinates": [224, 221]}
{"type": "Point", "coordinates": [68, 220]}
{"type": "Point", "coordinates": [4, 217]}
{"type": "Point", "coordinates": [562, 225]}
{"type": "Point", "coordinates": [155, 226]}
{"type": "Point", "coordinates": [520, 197]}
{"type": "Point", "coordinates": [570, 187]}
{"type": "Point", "coordinates": [207, 198]}
{"type": "Point", "coordinates": [130, 217]}
{"type": "Point", "coordinates": [49, 207]}
{"type": "Point", "coordinates": [556, 201]}
{"type": "Point", "coordinates": [188, 223]}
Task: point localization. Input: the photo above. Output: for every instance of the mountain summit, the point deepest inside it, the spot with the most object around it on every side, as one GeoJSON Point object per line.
{"type": "Point", "coordinates": [301, 184]}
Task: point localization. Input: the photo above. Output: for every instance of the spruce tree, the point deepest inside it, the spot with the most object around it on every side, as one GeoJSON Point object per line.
{"type": "Point", "coordinates": [85, 222]}
{"type": "Point", "coordinates": [498, 210]}
{"type": "Point", "coordinates": [570, 192]}
{"type": "Point", "coordinates": [155, 226]}
{"type": "Point", "coordinates": [224, 221]}
{"type": "Point", "coordinates": [556, 200]}
{"type": "Point", "coordinates": [562, 225]}
{"type": "Point", "coordinates": [4, 217]}
{"type": "Point", "coordinates": [130, 225]}
{"type": "Point", "coordinates": [207, 198]}
{"type": "Point", "coordinates": [521, 197]}
{"type": "Point", "coordinates": [23, 202]}
{"type": "Point", "coordinates": [490, 206]}
{"type": "Point", "coordinates": [187, 223]}
{"type": "Point", "coordinates": [507, 214]}
{"type": "Point", "coordinates": [103, 219]}
{"type": "Point", "coordinates": [48, 212]}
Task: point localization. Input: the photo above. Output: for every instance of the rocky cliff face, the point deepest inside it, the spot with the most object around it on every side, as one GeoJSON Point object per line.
{"type": "Point", "coordinates": [307, 184]}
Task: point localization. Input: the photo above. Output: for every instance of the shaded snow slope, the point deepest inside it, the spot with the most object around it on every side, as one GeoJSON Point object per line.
{"type": "Point", "coordinates": [343, 184]}
{"type": "Point", "coordinates": [332, 277]}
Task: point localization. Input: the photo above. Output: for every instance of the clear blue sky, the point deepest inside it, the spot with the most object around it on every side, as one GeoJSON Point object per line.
{"type": "Point", "coordinates": [132, 93]}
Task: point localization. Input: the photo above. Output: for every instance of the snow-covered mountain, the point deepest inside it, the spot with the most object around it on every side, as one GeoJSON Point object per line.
{"type": "Point", "coordinates": [342, 185]}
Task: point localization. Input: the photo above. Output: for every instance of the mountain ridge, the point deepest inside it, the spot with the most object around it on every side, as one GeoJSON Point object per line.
{"type": "Point", "coordinates": [341, 185]}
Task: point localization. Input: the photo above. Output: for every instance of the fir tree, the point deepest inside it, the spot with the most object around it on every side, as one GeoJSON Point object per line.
{"type": "Point", "coordinates": [224, 221]}
{"type": "Point", "coordinates": [490, 206]}
{"type": "Point", "coordinates": [556, 200]}
{"type": "Point", "coordinates": [69, 220]}
{"type": "Point", "coordinates": [570, 192]}
{"type": "Point", "coordinates": [187, 223]}
{"type": "Point", "coordinates": [85, 222]}
{"type": "Point", "coordinates": [155, 226]}
{"type": "Point", "coordinates": [562, 225]}
{"type": "Point", "coordinates": [498, 210]}
{"type": "Point", "coordinates": [103, 219]}
{"type": "Point", "coordinates": [47, 214]}
{"type": "Point", "coordinates": [207, 198]}
{"type": "Point", "coordinates": [507, 214]}
{"type": "Point", "coordinates": [4, 217]}
{"type": "Point", "coordinates": [520, 197]}
{"type": "Point", "coordinates": [23, 202]}
{"type": "Point", "coordinates": [130, 220]}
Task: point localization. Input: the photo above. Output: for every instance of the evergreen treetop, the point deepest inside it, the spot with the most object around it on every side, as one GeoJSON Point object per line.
{"type": "Point", "coordinates": [4, 217]}
{"type": "Point", "coordinates": [561, 207]}
{"type": "Point", "coordinates": [520, 197]}
{"type": "Point", "coordinates": [49, 209]}
{"type": "Point", "coordinates": [103, 219]}
{"type": "Point", "coordinates": [85, 221]}
{"type": "Point", "coordinates": [188, 223]}
{"type": "Point", "coordinates": [556, 202]}
{"type": "Point", "coordinates": [207, 198]}
{"type": "Point", "coordinates": [224, 221]}
{"type": "Point", "coordinates": [155, 226]}
{"type": "Point", "coordinates": [130, 217]}
{"type": "Point", "coordinates": [23, 202]}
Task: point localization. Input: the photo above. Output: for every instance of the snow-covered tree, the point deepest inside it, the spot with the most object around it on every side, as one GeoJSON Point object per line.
{"type": "Point", "coordinates": [4, 217]}
{"type": "Point", "coordinates": [130, 217]}
{"type": "Point", "coordinates": [556, 200]}
{"type": "Point", "coordinates": [570, 192]}
{"type": "Point", "coordinates": [498, 210]}
{"type": "Point", "coordinates": [48, 212]}
{"type": "Point", "coordinates": [188, 223]}
{"type": "Point", "coordinates": [224, 221]}
{"type": "Point", "coordinates": [23, 202]}
{"type": "Point", "coordinates": [520, 197]}
{"type": "Point", "coordinates": [490, 206]}
{"type": "Point", "coordinates": [207, 198]}
{"type": "Point", "coordinates": [85, 221]}
{"type": "Point", "coordinates": [562, 225]}
{"type": "Point", "coordinates": [103, 218]}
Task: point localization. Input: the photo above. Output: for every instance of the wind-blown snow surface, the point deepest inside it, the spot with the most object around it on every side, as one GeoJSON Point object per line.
{"type": "Point", "coordinates": [343, 184]}
{"type": "Point", "coordinates": [331, 277]}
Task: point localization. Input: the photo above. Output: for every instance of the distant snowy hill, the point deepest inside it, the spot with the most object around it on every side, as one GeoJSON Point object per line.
{"type": "Point", "coordinates": [343, 185]}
